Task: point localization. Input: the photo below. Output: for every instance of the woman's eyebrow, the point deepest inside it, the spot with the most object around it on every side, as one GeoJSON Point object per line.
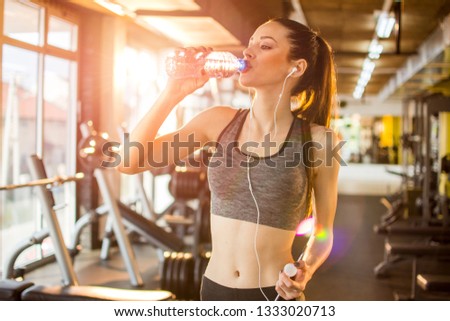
{"type": "Point", "coordinates": [263, 37]}
{"type": "Point", "coordinates": [268, 37]}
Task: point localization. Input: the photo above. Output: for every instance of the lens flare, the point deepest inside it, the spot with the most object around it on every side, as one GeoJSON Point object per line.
{"type": "Point", "coordinates": [321, 235]}
{"type": "Point", "coordinates": [306, 227]}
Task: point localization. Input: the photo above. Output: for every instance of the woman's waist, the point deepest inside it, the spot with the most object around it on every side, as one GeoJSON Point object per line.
{"type": "Point", "coordinates": [238, 246]}
{"type": "Point", "coordinates": [243, 268]}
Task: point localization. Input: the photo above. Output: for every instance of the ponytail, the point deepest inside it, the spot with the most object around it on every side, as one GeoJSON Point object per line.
{"type": "Point", "coordinates": [317, 87]}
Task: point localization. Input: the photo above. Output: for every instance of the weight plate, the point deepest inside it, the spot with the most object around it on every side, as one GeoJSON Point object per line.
{"type": "Point", "coordinates": [163, 280]}
{"type": "Point", "coordinates": [174, 275]}
{"type": "Point", "coordinates": [168, 273]}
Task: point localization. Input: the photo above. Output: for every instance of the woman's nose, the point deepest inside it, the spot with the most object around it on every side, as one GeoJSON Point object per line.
{"type": "Point", "coordinates": [248, 53]}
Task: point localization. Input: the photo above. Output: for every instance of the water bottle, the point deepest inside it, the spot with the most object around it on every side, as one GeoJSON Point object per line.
{"type": "Point", "coordinates": [216, 64]}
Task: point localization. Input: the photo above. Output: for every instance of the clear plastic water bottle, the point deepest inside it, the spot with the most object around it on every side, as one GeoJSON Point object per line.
{"type": "Point", "coordinates": [216, 64]}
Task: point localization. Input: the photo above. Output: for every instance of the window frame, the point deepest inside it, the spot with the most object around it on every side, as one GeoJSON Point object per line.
{"type": "Point", "coordinates": [48, 9]}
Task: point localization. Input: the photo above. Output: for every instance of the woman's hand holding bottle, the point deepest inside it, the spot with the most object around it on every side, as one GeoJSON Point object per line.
{"type": "Point", "coordinates": [193, 58]}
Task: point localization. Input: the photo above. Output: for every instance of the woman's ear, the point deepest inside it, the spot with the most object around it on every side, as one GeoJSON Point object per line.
{"type": "Point", "coordinates": [301, 66]}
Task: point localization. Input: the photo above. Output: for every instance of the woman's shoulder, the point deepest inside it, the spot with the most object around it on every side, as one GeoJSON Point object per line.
{"type": "Point", "coordinates": [216, 118]}
{"type": "Point", "coordinates": [224, 110]}
{"type": "Point", "coordinates": [320, 132]}
{"type": "Point", "coordinates": [326, 148]}
{"type": "Point", "coordinates": [326, 151]}
{"type": "Point", "coordinates": [323, 135]}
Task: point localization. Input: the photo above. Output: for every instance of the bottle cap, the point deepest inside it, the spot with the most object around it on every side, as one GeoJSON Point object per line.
{"type": "Point", "coordinates": [242, 64]}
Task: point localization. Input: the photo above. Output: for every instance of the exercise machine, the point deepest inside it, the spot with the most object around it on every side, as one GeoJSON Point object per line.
{"type": "Point", "coordinates": [70, 288]}
{"type": "Point", "coordinates": [183, 250]}
{"type": "Point", "coordinates": [422, 209]}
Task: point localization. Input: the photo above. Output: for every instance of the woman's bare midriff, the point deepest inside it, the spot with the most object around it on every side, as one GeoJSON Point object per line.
{"type": "Point", "coordinates": [233, 261]}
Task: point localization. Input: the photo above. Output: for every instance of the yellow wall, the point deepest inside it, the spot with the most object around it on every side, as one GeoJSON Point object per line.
{"type": "Point", "coordinates": [386, 136]}
{"type": "Point", "coordinates": [444, 149]}
{"type": "Point", "coordinates": [444, 128]}
{"type": "Point", "coordinates": [397, 133]}
{"type": "Point", "coordinates": [390, 136]}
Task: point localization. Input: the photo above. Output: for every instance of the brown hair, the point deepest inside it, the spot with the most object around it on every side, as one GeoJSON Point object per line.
{"type": "Point", "coordinates": [315, 90]}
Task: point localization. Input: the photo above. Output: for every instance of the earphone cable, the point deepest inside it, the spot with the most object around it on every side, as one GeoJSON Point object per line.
{"type": "Point", "coordinates": [250, 183]}
{"type": "Point", "coordinates": [257, 207]}
{"type": "Point", "coordinates": [278, 103]}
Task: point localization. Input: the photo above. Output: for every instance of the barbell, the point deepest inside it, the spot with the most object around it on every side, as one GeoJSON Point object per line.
{"type": "Point", "coordinates": [49, 182]}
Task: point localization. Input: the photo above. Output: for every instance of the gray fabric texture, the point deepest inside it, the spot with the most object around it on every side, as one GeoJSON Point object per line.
{"type": "Point", "coordinates": [279, 181]}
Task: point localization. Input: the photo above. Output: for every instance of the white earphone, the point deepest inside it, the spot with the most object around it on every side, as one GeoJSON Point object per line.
{"type": "Point", "coordinates": [288, 269]}
{"type": "Point", "coordinates": [292, 71]}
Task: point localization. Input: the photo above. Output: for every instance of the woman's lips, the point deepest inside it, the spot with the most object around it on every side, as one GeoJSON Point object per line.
{"type": "Point", "coordinates": [247, 68]}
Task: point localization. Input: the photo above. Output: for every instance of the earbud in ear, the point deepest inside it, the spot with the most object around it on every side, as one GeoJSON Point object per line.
{"type": "Point", "coordinates": [292, 71]}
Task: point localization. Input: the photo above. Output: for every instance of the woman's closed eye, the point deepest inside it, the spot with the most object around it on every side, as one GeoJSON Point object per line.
{"type": "Point", "coordinates": [263, 46]}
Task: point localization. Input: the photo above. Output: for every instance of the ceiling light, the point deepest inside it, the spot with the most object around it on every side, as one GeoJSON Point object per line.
{"type": "Point", "coordinates": [364, 78]}
{"type": "Point", "coordinates": [375, 49]}
{"type": "Point", "coordinates": [368, 65]}
{"type": "Point", "coordinates": [113, 7]}
{"type": "Point", "coordinates": [358, 92]}
{"type": "Point", "coordinates": [385, 25]}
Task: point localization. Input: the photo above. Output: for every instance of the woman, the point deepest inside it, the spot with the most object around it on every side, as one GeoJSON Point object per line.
{"type": "Point", "coordinates": [260, 191]}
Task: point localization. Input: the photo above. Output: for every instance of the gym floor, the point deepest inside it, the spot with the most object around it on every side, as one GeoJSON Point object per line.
{"type": "Point", "coordinates": [346, 275]}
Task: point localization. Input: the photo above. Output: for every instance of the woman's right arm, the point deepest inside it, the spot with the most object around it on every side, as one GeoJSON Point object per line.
{"type": "Point", "coordinates": [142, 150]}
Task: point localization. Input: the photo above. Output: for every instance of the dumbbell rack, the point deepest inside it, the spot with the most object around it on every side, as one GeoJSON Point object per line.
{"type": "Point", "coordinates": [181, 272]}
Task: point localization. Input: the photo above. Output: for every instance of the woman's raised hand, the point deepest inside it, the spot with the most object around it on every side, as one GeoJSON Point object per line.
{"type": "Point", "coordinates": [186, 86]}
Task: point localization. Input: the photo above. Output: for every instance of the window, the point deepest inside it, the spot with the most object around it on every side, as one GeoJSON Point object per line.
{"type": "Point", "coordinates": [62, 34]}
{"type": "Point", "coordinates": [19, 120]}
{"type": "Point", "coordinates": [22, 21]}
{"type": "Point", "coordinates": [38, 116]}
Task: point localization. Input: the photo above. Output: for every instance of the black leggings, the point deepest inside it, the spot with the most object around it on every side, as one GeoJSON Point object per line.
{"type": "Point", "coordinates": [212, 291]}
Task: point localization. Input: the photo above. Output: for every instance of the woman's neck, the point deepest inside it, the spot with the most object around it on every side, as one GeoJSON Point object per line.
{"type": "Point", "coordinates": [264, 105]}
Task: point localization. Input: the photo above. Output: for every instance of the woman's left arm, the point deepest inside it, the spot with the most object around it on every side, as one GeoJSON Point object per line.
{"type": "Point", "coordinates": [325, 180]}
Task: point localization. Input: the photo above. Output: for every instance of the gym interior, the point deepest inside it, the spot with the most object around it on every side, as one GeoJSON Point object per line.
{"type": "Point", "coordinates": [77, 74]}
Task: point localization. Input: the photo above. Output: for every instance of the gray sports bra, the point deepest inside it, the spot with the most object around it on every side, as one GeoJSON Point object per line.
{"type": "Point", "coordinates": [279, 181]}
